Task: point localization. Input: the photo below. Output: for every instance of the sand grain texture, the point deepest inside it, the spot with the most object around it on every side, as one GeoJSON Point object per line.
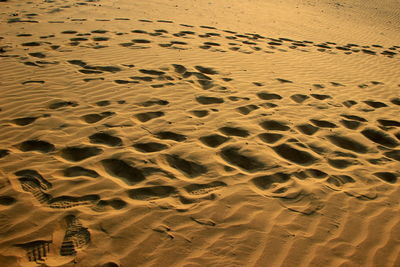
{"type": "Point", "coordinates": [198, 133]}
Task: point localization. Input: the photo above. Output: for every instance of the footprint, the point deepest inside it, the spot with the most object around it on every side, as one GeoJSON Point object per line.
{"type": "Point", "coordinates": [7, 200]}
{"type": "Point", "coordinates": [4, 152]}
{"type": "Point", "coordinates": [103, 103]}
{"type": "Point", "coordinates": [179, 68]}
{"type": "Point", "coordinates": [36, 251]}
{"type": "Point", "coordinates": [100, 38]}
{"type": "Point", "coordinates": [200, 113]}
{"type": "Point", "coordinates": [395, 101]}
{"type": "Point", "coordinates": [379, 137]}
{"type": "Point", "coordinates": [207, 100]}
{"type": "Point", "coordinates": [299, 98]}
{"type": "Point", "coordinates": [36, 145]}
{"type": "Point", "coordinates": [153, 102]}
{"type": "Point", "coordinates": [93, 118]}
{"type": "Point", "coordinates": [33, 186]}
{"type": "Point", "coordinates": [340, 180]}
{"type": "Point", "coordinates": [67, 202]}
{"type": "Point", "coordinates": [152, 72]}
{"type": "Point", "coordinates": [24, 121]}
{"type": "Point", "coordinates": [283, 80]}
{"type": "Point", "coordinates": [347, 143]}
{"type": "Point", "coordinates": [31, 44]}
{"type": "Point", "coordinates": [146, 116]}
{"type": "Point", "coordinates": [270, 138]}
{"type": "Point", "coordinates": [43, 183]}
{"type": "Point", "coordinates": [206, 70]}
{"type": "Point", "coordinates": [150, 147]}
{"type": "Point", "coordinates": [234, 131]}
{"type": "Point", "coordinates": [188, 168]}
{"type": "Point", "coordinates": [201, 189]}
{"type": "Point", "coordinates": [321, 97]}
{"type": "Point", "coordinates": [389, 123]}
{"type": "Point", "coordinates": [266, 182]}
{"type": "Point", "coordinates": [323, 123]}
{"type": "Point", "coordinates": [206, 84]}
{"type": "Point", "coordinates": [105, 139]}
{"type": "Point", "coordinates": [77, 237]}
{"type": "Point", "coordinates": [294, 155]}
{"type": "Point", "coordinates": [388, 177]}
{"type": "Point", "coordinates": [354, 118]}
{"type": "Point", "coordinates": [122, 170]}
{"type": "Point", "coordinates": [152, 192]}
{"type": "Point", "coordinates": [80, 171]}
{"type": "Point", "coordinates": [349, 103]}
{"type": "Point", "coordinates": [268, 96]}
{"type": "Point", "coordinates": [166, 135]}
{"type": "Point", "coordinates": [62, 104]}
{"type": "Point", "coordinates": [213, 140]}
{"type": "Point", "coordinates": [232, 155]}
{"type": "Point", "coordinates": [245, 110]}
{"type": "Point", "coordinates": [37, 54]}
{"type": "Point", "coordinates": [393, 154]}
{"type": "Point", "coordinates": [352, 125]}
{"type": "Point", "coordinates": [375, 104]}
{"type": "Point", "coordinates": [341, 163]}
{"type": "Point", "coordinates": [78, 153]}
{"type": "Point", "coordinates": [307, 129]}
{"type": "Point", "coordinates": [274, 125]}
{"type": "Point", "coordinates": [141, 41]}
{"type": "Point", "coordinates": [115, 203]}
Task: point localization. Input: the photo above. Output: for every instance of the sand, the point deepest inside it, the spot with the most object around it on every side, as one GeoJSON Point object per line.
{"type": "Point", "coordinates": [199, 133]}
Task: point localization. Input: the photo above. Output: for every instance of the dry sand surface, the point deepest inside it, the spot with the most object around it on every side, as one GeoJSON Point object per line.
{"type": "Point", "coordinates": [199, 133]}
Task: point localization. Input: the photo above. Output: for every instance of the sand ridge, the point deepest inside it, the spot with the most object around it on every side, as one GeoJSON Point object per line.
{"type": "Point", "coordinates": [133, 141]}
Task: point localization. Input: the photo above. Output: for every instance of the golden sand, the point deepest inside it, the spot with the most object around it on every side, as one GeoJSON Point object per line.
{"type": "Point", "coordinates": [199, 133]}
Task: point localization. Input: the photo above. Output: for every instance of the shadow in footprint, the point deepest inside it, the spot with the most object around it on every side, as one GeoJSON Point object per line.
{"type": "Point", "coordinates": [24, 121]}
{"type": "Point", "coordinates": [274, 125]}
{"type": "Point", "coordinates": [146, 116]}
{"type": "Point", "coordinates": [122, 170]}
{"type": "Point", "coordinates": [233, 156]}
{"type": "Point", "coordinates": [347, 143]}
{"type": "Point", "coordinates": [294, 155]}
{"type": "Point", "coordinates": [188, 168]}
{"type": "Point", "coordinates": [234, 131]}
{"type": "Point", "coordinates": [379, 137]}
{"type": "Point", "coordinates": [388, 177]}
{"type": "Point", "coordinates": [80, 171]}
{"type": "Point", "coordinates": [78, 153]}
{"type": "Point", "coordinates": [150, 147]}
{"type": "Point", "coordinates": [213, 140]}
{"type": "Point", "coordinates": [166, 135]}
{"type": "Point", "coordinates": [207, 100]}
{"type": "Point", "coordinates": [151, 193]}
{"type": "Point", "coordinates": [36, 145]}
{"type": "Point", "coordinates": [105, 139]}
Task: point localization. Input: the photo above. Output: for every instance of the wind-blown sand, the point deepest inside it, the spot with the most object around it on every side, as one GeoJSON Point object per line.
{"type": "Point", "coordinates": [199, 133]}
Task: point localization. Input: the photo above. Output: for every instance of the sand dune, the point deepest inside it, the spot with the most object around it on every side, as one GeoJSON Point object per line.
{"type": "Point", "coordinates": [193, 133]}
